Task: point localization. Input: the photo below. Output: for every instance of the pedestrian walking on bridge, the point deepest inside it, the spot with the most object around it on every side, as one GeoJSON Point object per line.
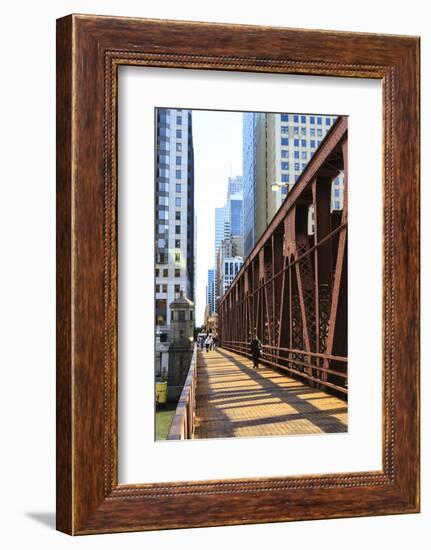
{"type": "Point", "coordinates": [256, 349]}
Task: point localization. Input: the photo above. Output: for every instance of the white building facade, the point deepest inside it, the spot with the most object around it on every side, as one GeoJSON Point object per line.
{"type": "Point", "coordinates": [174, 230]}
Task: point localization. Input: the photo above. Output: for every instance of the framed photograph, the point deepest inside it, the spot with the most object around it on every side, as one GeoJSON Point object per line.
{"type": "Point", "coordinates": [237, 274]}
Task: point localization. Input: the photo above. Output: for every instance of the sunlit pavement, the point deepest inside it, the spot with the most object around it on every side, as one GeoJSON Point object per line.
{"type": "Point", "coordinates": [235, 400]}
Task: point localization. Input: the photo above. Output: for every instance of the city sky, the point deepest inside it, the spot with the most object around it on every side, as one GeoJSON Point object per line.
{"type": "Point", "coordinates": [217, 142]}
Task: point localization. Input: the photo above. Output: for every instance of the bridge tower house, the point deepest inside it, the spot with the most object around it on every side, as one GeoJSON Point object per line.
{"type": "Point", "coordinates": [181, 344]}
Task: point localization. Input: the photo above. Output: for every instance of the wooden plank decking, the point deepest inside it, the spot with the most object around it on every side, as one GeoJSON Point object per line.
{"type": "Point", "coordinates": [233, 400]}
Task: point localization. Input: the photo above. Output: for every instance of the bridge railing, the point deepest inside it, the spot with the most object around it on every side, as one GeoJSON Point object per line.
{"type": "Point", "coordinates": [312, 366]}
{"type": "Point", "coordinates": [183, 423]}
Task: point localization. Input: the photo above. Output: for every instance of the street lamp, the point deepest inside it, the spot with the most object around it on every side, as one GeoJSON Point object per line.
{"type": "Point", "coordinates": [279, 185]}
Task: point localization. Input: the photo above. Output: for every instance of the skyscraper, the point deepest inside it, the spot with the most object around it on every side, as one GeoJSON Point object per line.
{"type": "Point", "coordinates": [229, 223]}
{"type": "Point", "coordinates": [276, 149]}
{"type": "Point", "coordinates": [222, 226]}
{"type": "Point", "coordinates": [234, 186]}
{"type": "Point", "coordinates": [211, 292]}
{"type": "Point", "coordinates": [174, 231]}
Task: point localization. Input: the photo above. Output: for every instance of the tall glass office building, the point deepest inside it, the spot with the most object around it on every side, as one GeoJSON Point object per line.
{"type": "Point", "coordinates": [211, 292]}
{"type": "Point", "coordinates": [249, 177]}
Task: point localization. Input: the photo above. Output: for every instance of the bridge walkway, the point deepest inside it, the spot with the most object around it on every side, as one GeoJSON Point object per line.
{"type": "Point", "coordinates": [235, 400]}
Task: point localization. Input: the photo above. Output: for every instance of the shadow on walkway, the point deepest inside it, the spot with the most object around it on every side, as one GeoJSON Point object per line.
{"type": "Point", "coordinates": [229, 389]}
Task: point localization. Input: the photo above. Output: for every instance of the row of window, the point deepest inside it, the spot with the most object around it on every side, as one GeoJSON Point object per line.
{"type": "Point", "coordinates": [164, 158]}
{"type": "Point", "coordinates": [163, 257]}
{"type": "Point", "coordinates": [303, 119]}
{"type": "Point", "coordinates": [302, 131]}
{"type": "Point", "coordinates": [299, 143]}
{"type": "Point", "coordinates": [230, 268]}
{"type": "Point", "coordinates": [163, 242]}
{"type": "Point", "coordinates": [164, 288]}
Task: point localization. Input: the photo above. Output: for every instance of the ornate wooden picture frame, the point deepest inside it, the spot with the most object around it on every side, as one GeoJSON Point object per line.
{"type": "Point", "coordinates": [89, 51]}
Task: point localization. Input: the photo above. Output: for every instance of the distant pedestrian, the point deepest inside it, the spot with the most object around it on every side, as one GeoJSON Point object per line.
{"type": "Point", "coordinates": [215, 341]}
{"type": "Point", "coordinates": [207, 343]}
{"type": "Point", "coordinates": [256, 349]}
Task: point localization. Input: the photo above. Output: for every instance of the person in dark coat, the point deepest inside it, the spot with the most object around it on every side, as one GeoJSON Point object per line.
{"type": "Point", "coordinates": [256, 349]}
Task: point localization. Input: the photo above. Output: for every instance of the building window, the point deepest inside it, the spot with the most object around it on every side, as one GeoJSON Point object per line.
{"type": "Point", "coordinates": [163, 201]}
{"type": "Point", "coordinates": [226, 269]}
{"type": "Point", "coordinates": [337, 192]}
{"type": "Point", "coordinates": [178, 174]}
{"type": "Point", "coordinates": [164, 288]}
{"type": "Point", "coordinates": [303, 166]}
{"type": "Point", "coordinates": [177, 201]}
{"type": "Point", "coordinates": [178, 188]}
{"type": "Point", "coordinates": [165, 273]}
{"type": "Point", "coordinates": [284, 153]}
{"type": "Point", "coordinates": [177, 229]}
{"type": "Point", "coordinates": [162, 258]}
{"type": "Point", "coordinates": [296, 178]}
{"type": "Point", "coordinates": [285, 178]}
{"type": "Point", "coordinates": [337, 204]}
{"type": "Point", "coordinates": [319, 120]}
{"type": "Point", "coordinates": [312, 120]}
{"type": "Point", "coordinates": [285, 118]}
{"type": "Point", "coordinates": [177, 214]}
{"type": "Point", "coordinates": [179, 147]}
{"type": "Point", "coordinates": [178, 161]}
{"type": "Point", "coordinates": [164, 187]}
{"type": "Point", "coordinates": [304, 154]}
{"type": "Point", "coordinates": [284, 141]}
{"type": "Point", "coordinates": [177, 272]}
{"type": "Point", "coordinates": [296, 154]}
{"type": "Point", "coordinates": [328, 121]}
{"type": "Point", "coordinates": [303, 143]}
{"type": "Point", "coordinates": [285, 166]}
{"type": "Point", "coordinates": [312, 132]}
{"type": "Point", "coordinates": [179, 134]}
{"type": "Point", "coordinates": [177, 243]}
{"type": "Point", "coordinates": [303, 131]}
{"type": "Point", "coordinates": [177, 257]}
{"type": "Point", "coordinates": [163, 173]}
{"type": "Point", "coordinates": [285, 129]}
{"type": "Point", "coordinates": [295, 118]}
{"type": "Point", "coordinates": [303, 120]}
{"type": "Point", "coordinates": [296, 166]}
{"type": "Point", "coordinates": [177, 289]}
{"type": "Point", "coordinates": [157, 288]}
{"type": "Point", "coordinates": [161, 320]}
{"type": "Point", "coordinates": [163, 214]}
{"type": "Point", "coordinates": [295, 130]}
{"type": "Point", "coordinates": [157, 272]}
{"type": "Point", "coordinates": [179, 120]}
{"type": "Point", "coordinates": [312, 143]}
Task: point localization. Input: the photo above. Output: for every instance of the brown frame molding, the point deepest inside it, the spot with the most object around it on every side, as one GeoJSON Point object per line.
{"type": "Point", "coordinates": [89, 51]}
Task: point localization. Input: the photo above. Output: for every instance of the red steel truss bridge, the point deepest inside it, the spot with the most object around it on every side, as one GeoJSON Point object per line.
{"type": "Point", "coordinates": [292, 288]}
